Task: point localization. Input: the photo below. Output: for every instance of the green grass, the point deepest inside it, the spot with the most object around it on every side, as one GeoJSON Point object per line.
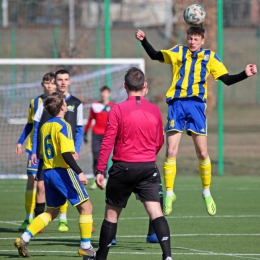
{"type": "Point", "coordinates": [233, 233]}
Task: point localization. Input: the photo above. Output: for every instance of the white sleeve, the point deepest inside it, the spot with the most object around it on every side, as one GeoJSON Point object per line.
{"type": "Point", "coordinates": [38, 114]}
{"type": "Point", "coordinates": [80, 115]}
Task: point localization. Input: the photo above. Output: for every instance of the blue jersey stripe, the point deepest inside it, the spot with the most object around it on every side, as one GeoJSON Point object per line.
{"type": "Point", "coordinates": [182, 74]}
{"type": "Point", "coordinates": [64, 130]}
{"type": "Point", "coordinates": [203, 75]}
{"type": "Point", "coordinates": [191, 77]}
{"type": "Point", "coordinates": [35, 105]}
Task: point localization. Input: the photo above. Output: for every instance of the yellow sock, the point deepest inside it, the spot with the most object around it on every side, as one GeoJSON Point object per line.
{"type": "Point", "coordinates": [169, 170]}
{"type": "Point", "coordinates": [30, 200]}
{"type": "Point", "coordinates": [64, 208]}
{"type": "Point", "coordinates": [205, 172]}
{"type": "Point", "coordinates": [39, 223]}
{"type": "Point", "coordinates": [85, 227]}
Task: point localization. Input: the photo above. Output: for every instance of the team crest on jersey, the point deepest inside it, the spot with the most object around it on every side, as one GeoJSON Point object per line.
{"type": "Point", "coordinates": [71, 108]}
{"type": "Point", "coordinates": [172, 123]}
{"type": "Point", "coordinates": [206, 57]}
{"type": "Point", "coordinates": [108, 109]}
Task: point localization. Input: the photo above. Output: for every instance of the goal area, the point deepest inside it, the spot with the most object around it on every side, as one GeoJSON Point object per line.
{"type": "Point", "coordinates": [20, 81]}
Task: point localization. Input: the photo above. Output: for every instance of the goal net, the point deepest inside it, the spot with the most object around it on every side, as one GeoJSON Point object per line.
{"type": "Point", "coordinates": [20, 81]}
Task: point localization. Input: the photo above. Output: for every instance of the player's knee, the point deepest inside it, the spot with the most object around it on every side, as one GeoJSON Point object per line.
{"type": "Point", "coordinates": [171, 152]}
{"type": "Point", "coordinates": [202, 155]}
{"type": "Point", "coordinates": [85, 208]}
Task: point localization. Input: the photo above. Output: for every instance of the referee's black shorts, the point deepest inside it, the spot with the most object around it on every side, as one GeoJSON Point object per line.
{"type": "Point", "coordinates": [124, 178]}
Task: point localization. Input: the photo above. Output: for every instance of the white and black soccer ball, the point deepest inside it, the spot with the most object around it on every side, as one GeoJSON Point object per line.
{"type": "Point", "coordinates": [194, 15]}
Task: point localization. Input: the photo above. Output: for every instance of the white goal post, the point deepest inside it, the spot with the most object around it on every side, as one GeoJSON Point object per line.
{"type": "Point", "coordinates": [20, 81]}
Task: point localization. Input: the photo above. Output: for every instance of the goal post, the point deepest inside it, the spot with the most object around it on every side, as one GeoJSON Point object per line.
{"type": "Point", "coordinates": [20, 81]}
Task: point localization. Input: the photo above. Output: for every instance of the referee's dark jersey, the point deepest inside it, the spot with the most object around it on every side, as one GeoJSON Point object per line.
{"type": "Point", "coordinates": [135, 131]}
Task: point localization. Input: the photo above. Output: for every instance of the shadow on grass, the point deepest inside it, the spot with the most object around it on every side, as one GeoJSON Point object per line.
{"type": "Point", "coordinates": [64, 242]}
{"type": "Point", "coordinates": [9, 230]}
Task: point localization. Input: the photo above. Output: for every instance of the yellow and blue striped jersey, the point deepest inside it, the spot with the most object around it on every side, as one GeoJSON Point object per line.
{"type": "Point", "coordinates": [190, 71]}
{"type": "Point", "coordinates": [56, 138]}
{"type": "Point", "coordinates": [34, 104]}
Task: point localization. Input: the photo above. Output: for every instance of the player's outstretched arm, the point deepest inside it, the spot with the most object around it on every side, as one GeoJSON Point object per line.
{"type": "Point", "coordinates": [153, 54]}
{"type": "Point", "coordinates": [251, 69]}
{"type": "Point", "coordinates": [140, 35]}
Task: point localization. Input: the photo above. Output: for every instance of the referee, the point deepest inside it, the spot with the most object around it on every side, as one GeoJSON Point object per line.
{"type": "Point", "coordinates": [135, 131]}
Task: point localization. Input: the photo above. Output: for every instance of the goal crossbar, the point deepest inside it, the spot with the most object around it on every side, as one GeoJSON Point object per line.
{"type": "Point", "coordinates": [73, 61]}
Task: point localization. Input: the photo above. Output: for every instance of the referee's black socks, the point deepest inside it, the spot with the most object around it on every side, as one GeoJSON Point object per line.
{"type": "Point", "coordinates": [151, 230]}
{"type": "Point", "coordinates": [162, 231]}
{"type": "Point", "coordinates": [107, 234]}
{"type": "Point", "coordinates": [39, 209]}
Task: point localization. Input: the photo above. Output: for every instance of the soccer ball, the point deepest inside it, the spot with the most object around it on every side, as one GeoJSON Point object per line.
{"type": "Point", "coordinates": [194, 15]}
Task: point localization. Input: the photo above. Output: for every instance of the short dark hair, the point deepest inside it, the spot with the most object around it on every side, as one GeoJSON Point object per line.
{"type": "Point", "coordinates": [61, 72]}
{"type": "Point", "coordinates": [48, 76]}
{"type": "Point", "coordinates": [104, 88]}
{"type": "Point", "coordinates": [134, 79]}
{"type": "Point", "coordinates": [200, 30]}
{"type": "Point", "coordinates": [53, 103]}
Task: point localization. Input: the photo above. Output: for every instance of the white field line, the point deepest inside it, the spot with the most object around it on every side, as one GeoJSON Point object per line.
{"type": "Point", "coordinates": [15, 222]}
{"type": "Point", "coordinates": [140, 236]}
{"type": "Point", "coordinates": [237, 255]}
{"type": "Point", "coordinates": [197, 252]}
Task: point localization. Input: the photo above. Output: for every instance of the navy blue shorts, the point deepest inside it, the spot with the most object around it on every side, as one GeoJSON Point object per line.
{"type": "Point", "coordinates": [188, 112]}
{"type": "Point", "coordinates": [61, 185]}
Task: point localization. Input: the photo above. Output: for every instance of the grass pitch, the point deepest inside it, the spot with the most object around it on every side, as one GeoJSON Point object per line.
{"type": "Point", "coordinates": [233, 233]}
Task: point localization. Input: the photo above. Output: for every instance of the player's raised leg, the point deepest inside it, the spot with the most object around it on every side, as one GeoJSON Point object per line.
{"type": "Point", "coordinates": [200, 143]}
{"type": "Point", "coordinates": [39, 223]}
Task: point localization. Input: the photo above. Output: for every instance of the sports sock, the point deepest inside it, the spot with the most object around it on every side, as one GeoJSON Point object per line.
{"type": "Point", "coordinates": [39, 223]}
{"type": "Point", "coordinates": [85, 227]}
{"type": "Point", "coordinates": [205, 172]}
{"type": "Point", "coordinates": [30, 200]}
{"type": "Point", "coordinates": [169, 170]}
{"type": "Point", "coordinates": [151, 227]}
{"type": "Point", "coordinates": [39, 208]}
{"type": "Point", "coordinates": [107, 233]}
{"type": "Point", "coordinates": [63, 211]}
{"type": "Point", "coordinates": [163, 233]}
{"type": "Point", "coordinates": [206, 192]}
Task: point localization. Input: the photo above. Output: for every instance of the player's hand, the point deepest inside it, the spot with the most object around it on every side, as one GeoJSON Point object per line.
{"type": "Point", "coordinates": [100, 181]}
{"type": "Point", "coordinates": [34, 159]}
{"type": "Point", "coordinates": [251, 70]}
{"type": "Point", "coordinates": [140, 35]}
{"type": "Point", "coordinates": [18, 149]}
{"type": "Point", "coordinates": [83, 179]}
{"type": "Point", "coordinates": [75, 156]}
{"type": "Point", "coordinates": [85, 138]}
